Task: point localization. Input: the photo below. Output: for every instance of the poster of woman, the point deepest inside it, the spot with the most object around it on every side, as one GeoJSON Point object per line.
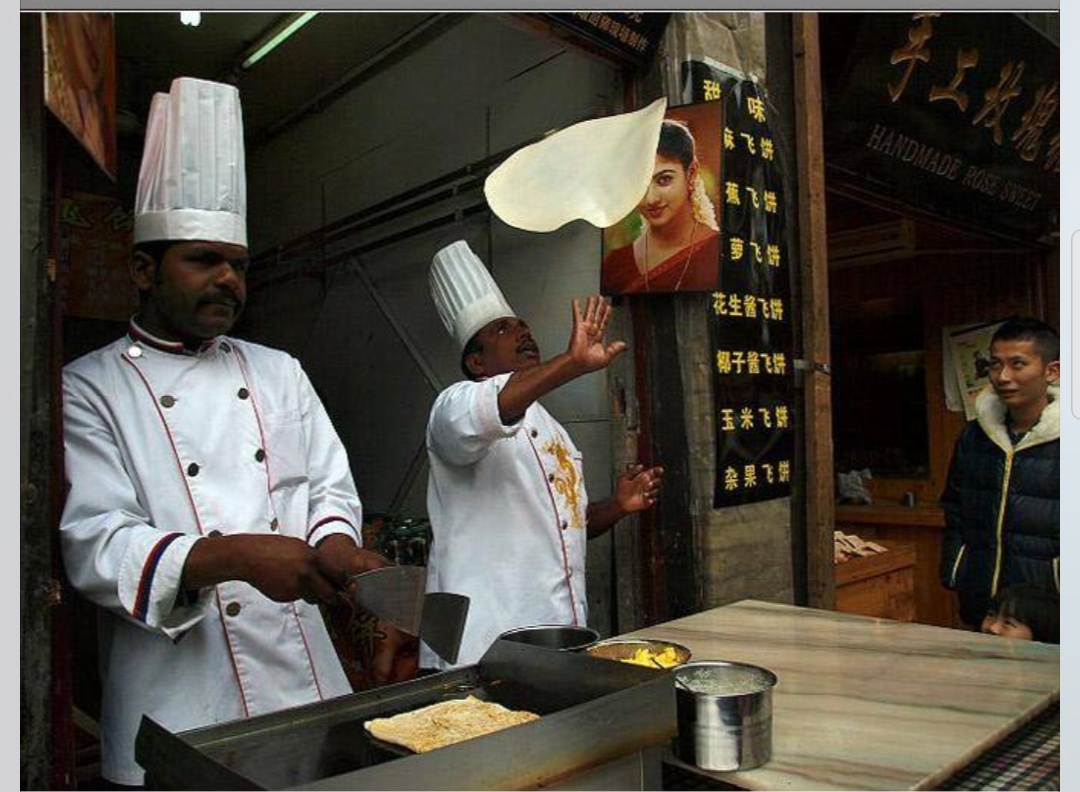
{"type": "Point", "coordinates": [80, 80]}
{"type": "Point", "coordinates": [671, 241]}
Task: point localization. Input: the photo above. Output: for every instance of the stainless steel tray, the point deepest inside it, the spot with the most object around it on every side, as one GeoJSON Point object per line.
{"type": "Point", "coordinates": [593, 713]}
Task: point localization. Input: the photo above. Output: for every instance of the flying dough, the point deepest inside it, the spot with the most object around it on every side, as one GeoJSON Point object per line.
{"type": "Point", "coordinates": [595, 170]}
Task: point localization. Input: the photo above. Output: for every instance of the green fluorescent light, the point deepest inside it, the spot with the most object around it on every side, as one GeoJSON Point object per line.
{"type": "Point", "coordinates": [277, 38]}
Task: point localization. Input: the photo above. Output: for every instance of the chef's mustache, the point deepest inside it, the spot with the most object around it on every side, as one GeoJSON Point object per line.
{"type": "Point", "coordinates": [223, 297]}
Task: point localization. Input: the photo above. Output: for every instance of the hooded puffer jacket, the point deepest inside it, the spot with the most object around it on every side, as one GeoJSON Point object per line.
{"type": "Point", "coordinates": [1002, 507]}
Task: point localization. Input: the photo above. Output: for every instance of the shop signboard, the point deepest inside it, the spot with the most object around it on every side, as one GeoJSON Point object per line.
{"type": "Point", "coordinates": [955, 114]}
{"type": "Point", "coordinates": [632, 37]}
{"type": "Point", "coordinates": [95, 247]}
{"type": "Point", "coordinates": [751, 312]}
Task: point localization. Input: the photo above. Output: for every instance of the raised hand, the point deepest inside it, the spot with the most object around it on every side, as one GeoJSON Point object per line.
{"type": "Point", "coordinates": [638, 488]}
{"type": "Point", "coordinates": [587, 347]}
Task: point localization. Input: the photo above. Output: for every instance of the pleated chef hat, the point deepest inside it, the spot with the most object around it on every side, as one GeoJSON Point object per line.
{"type": "Point", "coordinates": [464, 292]}
{"type": "Point", "coordinates": [191, 179]}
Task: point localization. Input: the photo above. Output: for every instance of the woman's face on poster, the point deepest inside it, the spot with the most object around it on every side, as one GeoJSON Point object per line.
{"type": "Point", "coordinates": [668, 193]}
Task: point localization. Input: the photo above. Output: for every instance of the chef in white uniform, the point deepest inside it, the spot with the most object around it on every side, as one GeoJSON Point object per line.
{"type": "Point", "coordinates": [509, 513]}
{"type": "Point", "coordinates": [211, 505]}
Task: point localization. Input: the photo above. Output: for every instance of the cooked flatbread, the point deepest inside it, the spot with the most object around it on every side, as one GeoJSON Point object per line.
{"type": "Point", "coordinates": [445, 723]}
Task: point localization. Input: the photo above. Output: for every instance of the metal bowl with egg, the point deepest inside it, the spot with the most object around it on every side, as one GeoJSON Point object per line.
{"type": "Point", "coordinates": [652, 654]}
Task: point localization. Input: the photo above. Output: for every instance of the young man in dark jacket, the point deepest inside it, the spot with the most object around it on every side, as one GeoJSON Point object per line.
{"type": "Point", "coordinates": [1001, 499]}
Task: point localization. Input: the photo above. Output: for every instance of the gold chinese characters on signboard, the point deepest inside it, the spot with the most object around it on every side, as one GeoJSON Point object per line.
{"type": "Point", "coordinates": [96, 234]}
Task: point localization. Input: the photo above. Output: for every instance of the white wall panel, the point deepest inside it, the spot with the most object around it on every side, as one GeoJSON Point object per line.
{"type": "Point", "coordinates": [481, 87]}
{"type": "Point", "coordinates": [421, 118]}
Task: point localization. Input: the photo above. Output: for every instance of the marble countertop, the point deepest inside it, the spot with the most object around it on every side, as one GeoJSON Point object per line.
{"type": "Point", "coordinates": [865, 703]}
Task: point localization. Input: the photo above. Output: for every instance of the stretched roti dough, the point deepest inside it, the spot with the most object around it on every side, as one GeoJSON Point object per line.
{"type": "Point", "coordinates": [445, 723]}
{"type": "Point", "coordinates": [595, 170]}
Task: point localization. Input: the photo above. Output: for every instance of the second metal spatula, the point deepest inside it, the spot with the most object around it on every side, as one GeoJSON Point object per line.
{"type": "Point", "coordinates": [399, 595]}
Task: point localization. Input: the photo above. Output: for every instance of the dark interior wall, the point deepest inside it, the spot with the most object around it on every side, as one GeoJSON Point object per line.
{"type": "Point", "coordinates": [480, 87]}
{"type": "Point", "coordinates": [35, 530]}
{"type": "Point", "coordinates": [942, 287]}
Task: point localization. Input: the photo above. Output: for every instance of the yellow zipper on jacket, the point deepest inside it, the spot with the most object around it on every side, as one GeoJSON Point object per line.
{"type": "Point", "coordinates": [956, 564]}
{"type": "Point", "coordinates": [1001, 518]}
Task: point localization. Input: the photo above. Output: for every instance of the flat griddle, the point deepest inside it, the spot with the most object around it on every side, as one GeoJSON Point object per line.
{"type": "Point", "coordinates": [592, 711]}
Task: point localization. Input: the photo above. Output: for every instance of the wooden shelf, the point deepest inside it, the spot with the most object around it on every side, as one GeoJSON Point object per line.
{"type": "Point", "coordinates": [929, 514]}
{"type": "Point", "coordinates": [881, 585]}
{"type": "Point", "coordinates": [920, 526]}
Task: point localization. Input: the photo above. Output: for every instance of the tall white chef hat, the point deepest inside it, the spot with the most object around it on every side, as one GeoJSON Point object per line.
{"type": "Point", "coordinates": [464, 292]}
{"type": "Point", "coordinates": [191, 180]}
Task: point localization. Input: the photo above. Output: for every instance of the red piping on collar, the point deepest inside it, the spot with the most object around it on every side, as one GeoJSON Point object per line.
{"type": "Point", "coordinates": [136, 334]}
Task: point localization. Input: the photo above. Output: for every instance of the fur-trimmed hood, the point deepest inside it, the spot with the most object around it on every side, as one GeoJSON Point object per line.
{"type": "Point", "coordinates": [990, 412]}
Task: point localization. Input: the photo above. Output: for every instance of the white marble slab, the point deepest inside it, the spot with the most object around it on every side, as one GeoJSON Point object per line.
{"type": "Point", "coordinates": [865, 703]}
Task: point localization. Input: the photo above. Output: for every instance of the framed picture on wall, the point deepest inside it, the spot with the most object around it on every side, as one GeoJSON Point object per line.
{"type": "Point", "coordinates": [671, 241]}
{"type": "Point", "coordinates": [80, 80]}
{"type": "Point", "coordinates": [969, 349]}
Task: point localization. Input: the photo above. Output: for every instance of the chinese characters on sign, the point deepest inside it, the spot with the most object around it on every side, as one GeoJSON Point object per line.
{"type": "Point", "coordinates": [1027, 137]}
{"type": "Point", "coordinates": [631, 36]}
{"type": "Point", "coordinates": [750, 311]}
{"type": "Point", "coordinates": [95, 235]}
{"type": "Point", "coordinates": [955, 114]}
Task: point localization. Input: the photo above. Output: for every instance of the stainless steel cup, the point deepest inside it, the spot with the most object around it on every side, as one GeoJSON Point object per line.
{"type": "Point", "coordinates": [724, 714]}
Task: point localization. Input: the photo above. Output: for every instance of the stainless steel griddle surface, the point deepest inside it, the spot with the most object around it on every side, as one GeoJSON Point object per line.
{"type": "Point", "coordinates": [591, 711]}
{"type": "Point", "coordinates": [297, 754]}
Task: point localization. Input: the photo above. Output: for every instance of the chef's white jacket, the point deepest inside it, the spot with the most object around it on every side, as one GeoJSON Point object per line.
{"type": "Point", "coordinates": [507, 507]}
{"type": "Point", "coordinates": [162, 447]}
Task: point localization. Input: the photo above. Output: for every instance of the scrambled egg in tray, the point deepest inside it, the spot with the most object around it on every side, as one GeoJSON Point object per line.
{"type": "Point", "coordinates": [667, 658]}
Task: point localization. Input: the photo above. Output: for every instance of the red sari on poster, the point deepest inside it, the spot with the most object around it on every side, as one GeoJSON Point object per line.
{"type": "Point", "coordinates": [694, 268]}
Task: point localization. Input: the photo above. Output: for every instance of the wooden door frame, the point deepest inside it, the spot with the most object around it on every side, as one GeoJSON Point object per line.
{"type": "Point", "coordinates": [819, 506]}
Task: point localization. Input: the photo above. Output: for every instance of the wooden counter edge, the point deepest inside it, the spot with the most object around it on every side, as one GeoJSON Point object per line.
{"type": "Point", "coordinates": [931, 515]}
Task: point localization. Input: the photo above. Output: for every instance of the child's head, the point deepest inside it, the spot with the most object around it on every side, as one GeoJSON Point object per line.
{"type": "Point", "coordinates": [1023, 611]}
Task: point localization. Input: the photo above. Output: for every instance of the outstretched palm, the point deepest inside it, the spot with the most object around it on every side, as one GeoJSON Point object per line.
{"type": "Point", "coordinates": [587, 346]}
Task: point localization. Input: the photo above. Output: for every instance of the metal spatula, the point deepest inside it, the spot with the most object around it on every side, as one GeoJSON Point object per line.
{"type": "Point", "coordinates": [399, 595]}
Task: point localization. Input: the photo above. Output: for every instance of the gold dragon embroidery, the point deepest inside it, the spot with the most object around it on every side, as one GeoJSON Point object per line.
{"type": "Point", "coordinates": [566, 482]}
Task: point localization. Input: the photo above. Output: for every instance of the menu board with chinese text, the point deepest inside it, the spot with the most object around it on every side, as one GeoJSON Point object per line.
{"type": "Point", "coordinates": [751, 314]}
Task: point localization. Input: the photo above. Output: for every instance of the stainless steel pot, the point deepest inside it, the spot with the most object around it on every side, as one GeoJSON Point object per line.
{"type": "Point", "coordinates": [553, 636]}
{"type": "Point", "coordinates": [724, 714]}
